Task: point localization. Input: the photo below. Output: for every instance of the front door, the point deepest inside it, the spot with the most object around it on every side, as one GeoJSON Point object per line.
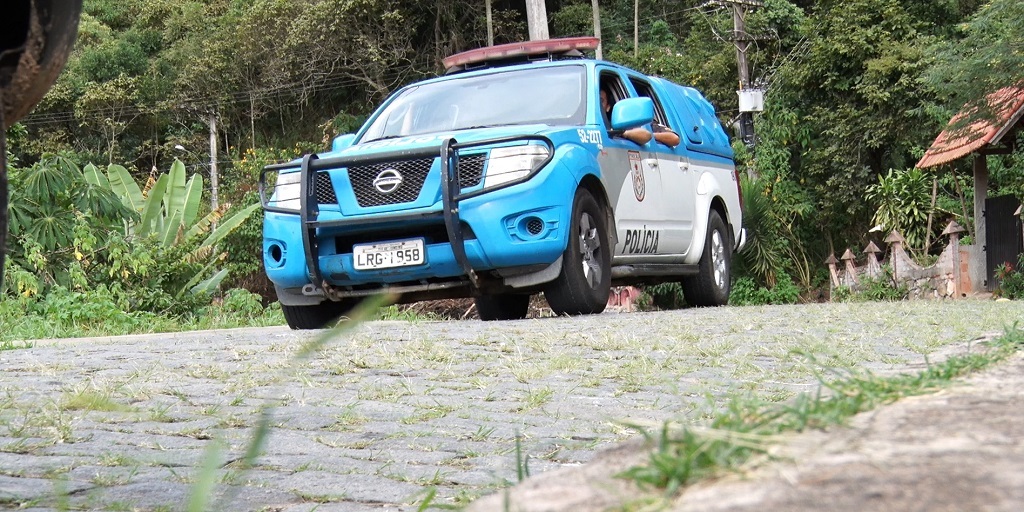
{"type": "Point", "coordinates": [1002, 235]}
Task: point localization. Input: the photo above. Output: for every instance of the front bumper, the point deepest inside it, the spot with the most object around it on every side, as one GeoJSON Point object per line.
{"type": "Point", "coordinates": [520, 226]}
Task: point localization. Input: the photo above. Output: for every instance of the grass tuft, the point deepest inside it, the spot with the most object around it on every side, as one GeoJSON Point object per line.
{"type": "Point", "coordinates": [749, 426]}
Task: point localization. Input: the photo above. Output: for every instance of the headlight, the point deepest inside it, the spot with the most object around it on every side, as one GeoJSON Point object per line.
{"type": "Point", "coordinates": [512, 163]}
{"type": "Point", "coordinates": [286, 192]}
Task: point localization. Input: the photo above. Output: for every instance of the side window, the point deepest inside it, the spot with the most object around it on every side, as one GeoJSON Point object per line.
{"type": "Point", "coordinates": [644, 89]}
{"type": "Point", "coordinates": [610, 90]}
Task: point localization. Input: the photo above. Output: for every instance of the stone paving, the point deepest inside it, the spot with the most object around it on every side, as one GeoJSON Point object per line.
{"type": "Point", "coordinates": [394, 415]}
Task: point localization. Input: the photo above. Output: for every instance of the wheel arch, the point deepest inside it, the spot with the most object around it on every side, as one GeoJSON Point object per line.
{"type": "Point", "coordinates": [592, 184]}
{"type": "Point", "coordinates": [718, 205]}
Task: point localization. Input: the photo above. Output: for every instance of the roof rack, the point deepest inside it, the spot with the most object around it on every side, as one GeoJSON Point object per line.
{"type": "Point", "coordinates": [513, 53]}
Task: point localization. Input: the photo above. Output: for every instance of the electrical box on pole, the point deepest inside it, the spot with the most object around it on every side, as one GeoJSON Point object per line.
{"type": "Point", "coordinates": [750, 99]}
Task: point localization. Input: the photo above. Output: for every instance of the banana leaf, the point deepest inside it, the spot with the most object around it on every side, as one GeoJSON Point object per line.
{"type": "Point", "coordinates": [228, 225]}
{"type": "Point", "coordinates": [151, 221]}
{"type": "Point", "coordinates": [171, 229]}
{"type": "Point", "coordinates": [122, 183]}
{"type": "Point", "coordinates": [193, 197]}
{"type": "Point", "coordinates": [93, 176]}
{"type": "Point", "coordinates": [203, 226]}
{"type": "Point", "coordinates": [211, 284]}
{"type": "Point", "coordinates": [175, 198]}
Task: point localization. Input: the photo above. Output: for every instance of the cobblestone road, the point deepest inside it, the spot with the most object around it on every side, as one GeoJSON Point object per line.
{"type": "Point", "coordinates": [392, 411]}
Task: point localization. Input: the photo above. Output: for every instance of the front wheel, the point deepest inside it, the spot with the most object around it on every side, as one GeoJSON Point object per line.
{"type": "Point", "coordinates": [711, 286]}
{"type": "Point", "coordinates": [503, 307]}
{"type": "Point", "coordinates": [583, 285]}
{"type": "Point", "coordinates": [317, 316]}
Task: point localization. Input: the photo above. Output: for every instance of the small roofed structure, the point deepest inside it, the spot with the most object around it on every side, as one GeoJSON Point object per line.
{"type": "Point", "coordinates": [960, 139]}
{"type": "Point", "coordinates": [981, 132]}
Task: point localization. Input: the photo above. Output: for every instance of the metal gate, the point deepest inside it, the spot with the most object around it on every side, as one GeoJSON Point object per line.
{"type": "Point", "coordinates": [1003, 236]}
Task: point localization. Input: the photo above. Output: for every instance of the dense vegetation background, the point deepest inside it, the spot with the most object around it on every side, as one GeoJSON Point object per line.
{"type": "Point", "coordinates": [855, 92]}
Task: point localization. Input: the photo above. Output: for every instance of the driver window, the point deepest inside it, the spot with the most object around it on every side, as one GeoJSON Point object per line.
{"type": "Point", "coordinates": [611, 91]}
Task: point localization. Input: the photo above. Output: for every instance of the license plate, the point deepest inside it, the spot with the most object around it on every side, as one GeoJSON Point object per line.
{"type": "Point", "coordinates": [402, 253]}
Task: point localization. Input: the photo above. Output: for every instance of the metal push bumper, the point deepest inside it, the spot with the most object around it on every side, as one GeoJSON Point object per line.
{"type": "Point", "coordinates": [451, 196]}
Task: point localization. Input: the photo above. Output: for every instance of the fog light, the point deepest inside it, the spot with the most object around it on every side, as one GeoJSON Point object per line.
{"type": "Point", "coordinates": [531, 226]}
{"type": "Point", "coordinates": [275, 255]}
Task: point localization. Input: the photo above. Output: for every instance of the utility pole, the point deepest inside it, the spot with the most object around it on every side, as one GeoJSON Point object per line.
{"type": "Point", "coordinates": [750, 101]}
{"type": "Point", "coordinates": [537, 19]}
{"type": "Point", "coordinates": [597, 29]}
{"type": "Point", "coordinates": [490, 24]}
{"type": "Point", "coordinates": [213, 163]}
{"type": "Point", "coordinates": [636, 28]}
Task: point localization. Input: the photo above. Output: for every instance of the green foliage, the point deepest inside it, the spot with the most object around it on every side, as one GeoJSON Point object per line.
{"type": "Point", "coordinates": [1011, 280]}
{"type": "Point", "coordinates": [746, 292]}
{"type": "Point", "coordinates": [112, 310]}
{"type": "Point", "coordinates": [881, 288]}
{"type": "Point", "coordinates": [662, 296]}
{"type": "Point", "coordinates": [854, 88]}
{"type": "Point", "coordinates": [170, 215]}
{"type": "Point", "coordinates": [903, 199]}
{"type": "Point", "coordinates": [983, 55]}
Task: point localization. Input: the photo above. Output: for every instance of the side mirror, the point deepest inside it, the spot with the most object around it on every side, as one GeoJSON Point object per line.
{"type": "Point", "coordinates": [342, 141]}
{"type": "Point", "coordinates": [632, 112]}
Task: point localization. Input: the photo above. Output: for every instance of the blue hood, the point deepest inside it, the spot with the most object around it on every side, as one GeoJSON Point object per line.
{"type": "Point", "coordinates": [414, 142]}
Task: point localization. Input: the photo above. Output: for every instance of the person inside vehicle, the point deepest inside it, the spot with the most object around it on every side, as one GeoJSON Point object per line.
{"type": "Point", "coordinates": [639, 135]}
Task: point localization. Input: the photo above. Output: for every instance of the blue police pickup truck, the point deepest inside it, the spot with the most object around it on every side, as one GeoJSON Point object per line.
{"type": "Point", "coordinates": [526, 168]}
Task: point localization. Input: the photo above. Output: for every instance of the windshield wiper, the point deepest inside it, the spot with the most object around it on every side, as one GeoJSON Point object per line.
{"type": "Point", "coordinates": [477, 127]}
{"type": "Point", "coordinates": [386, 137]}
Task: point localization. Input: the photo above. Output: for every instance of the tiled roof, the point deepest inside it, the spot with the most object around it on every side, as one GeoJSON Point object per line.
{"type": "Point", "coordinates": [1007, 105]}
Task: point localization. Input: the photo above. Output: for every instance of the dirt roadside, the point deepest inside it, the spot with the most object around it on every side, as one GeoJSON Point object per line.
{"type": "Point", "coordinates": [959, 449]}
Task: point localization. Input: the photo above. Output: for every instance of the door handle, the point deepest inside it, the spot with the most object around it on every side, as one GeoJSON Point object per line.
{"type": "Point", "coordinates": [652, 163]}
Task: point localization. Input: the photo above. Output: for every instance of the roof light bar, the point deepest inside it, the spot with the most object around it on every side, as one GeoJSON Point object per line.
{"type": "Point", "coordinates": [527, 49]}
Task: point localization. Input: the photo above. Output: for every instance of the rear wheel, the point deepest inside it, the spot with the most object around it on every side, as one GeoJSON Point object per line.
{"type": "Point", "coordinates": [711, 286]}
{"type": "Point", "coordinates": [318, 316]}
{"type": "Point", "coordinates": [503, 307]}
{"type": "Point", "coordinates": [583, 285]}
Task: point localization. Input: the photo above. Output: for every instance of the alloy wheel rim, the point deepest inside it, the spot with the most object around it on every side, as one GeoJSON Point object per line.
{"type": "Point", "coordinates": [718, 259]}
{"type": "Point", "coordinates": [590, 251]}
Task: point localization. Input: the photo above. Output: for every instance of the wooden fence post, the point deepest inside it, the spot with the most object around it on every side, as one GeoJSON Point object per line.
{"type": "Point", "coordinates": [874, 268]}
{"type": "Point", "coordinates": [831, 262]}
{"type": "Point", "coordinates": [953, 230]}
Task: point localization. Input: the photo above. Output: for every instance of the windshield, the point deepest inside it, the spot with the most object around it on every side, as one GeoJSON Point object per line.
{"type": "Point", "coordinates": [547, 95]}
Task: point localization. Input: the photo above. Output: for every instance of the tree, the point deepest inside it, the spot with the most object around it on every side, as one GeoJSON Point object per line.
{"type": "Point", "coordinates": [985, 55]}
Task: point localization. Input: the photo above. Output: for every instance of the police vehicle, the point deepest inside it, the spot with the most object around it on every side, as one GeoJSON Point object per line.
{"type": "Point", "coordinates": [505, 178]}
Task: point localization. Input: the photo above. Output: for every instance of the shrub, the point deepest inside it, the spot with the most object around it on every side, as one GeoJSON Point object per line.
{"type": "Point", "coordinates": [1011, 280]}
{"type": "Point", "coordinates": [746, 292]}
{"type": "Point", "coordinates": [881, 288]}
{"type": "Point", "coordinates": [661, 296]}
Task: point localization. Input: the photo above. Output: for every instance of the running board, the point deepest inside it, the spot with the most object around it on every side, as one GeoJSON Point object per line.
{"type": "Point", "coordinates": [653, 270]}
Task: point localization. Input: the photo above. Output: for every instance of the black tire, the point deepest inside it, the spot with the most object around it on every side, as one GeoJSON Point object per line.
{"type": "Point", "coordinates": [583, 285]}
{"type": "Point", "coordinates": [503, 307]}
{"type": "Point", "coordinates": [318, 316]}
{"type": "Point", "coordinates": [711, 286]}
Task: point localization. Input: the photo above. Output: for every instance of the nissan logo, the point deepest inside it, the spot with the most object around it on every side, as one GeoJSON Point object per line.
{"type": "Point", "coordinates": [387, 181]}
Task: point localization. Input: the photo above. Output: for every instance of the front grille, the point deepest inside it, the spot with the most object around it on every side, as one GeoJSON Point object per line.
{"type": "Point", "coordinates": [413, 172]}
{"type": "Point", "coordinates": [471, 170]}
{"type": "Point", "coordinates": [325, 189]}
